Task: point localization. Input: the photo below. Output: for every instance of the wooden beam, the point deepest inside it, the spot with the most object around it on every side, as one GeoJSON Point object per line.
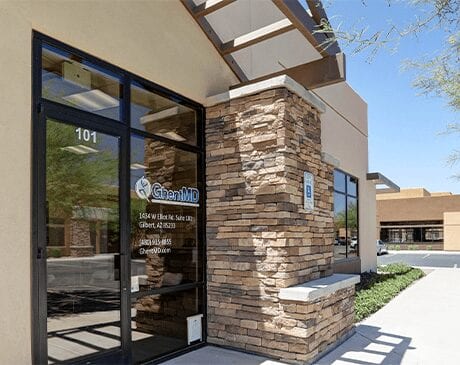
{"type": "Point", "coordinates": [298, 16]}
{"type": "Point", "coordinates": [209, 7]}
{"type": "Point", "coordinates": [215, 40]}
{"type": "Point", "coordinates": [325, 71]}
{"type": "Point", "coordinates": [319, 15]}
{"type": "Point", "coordinates": [257, 36]}
{"type": "Point", "coordinates": [317, 11]}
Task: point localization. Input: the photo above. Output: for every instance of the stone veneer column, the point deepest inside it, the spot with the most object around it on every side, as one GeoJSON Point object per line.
{"type": "Point", "coordinates": [80, 239]}
{"type": "Point", "coordinates": [259, 237]}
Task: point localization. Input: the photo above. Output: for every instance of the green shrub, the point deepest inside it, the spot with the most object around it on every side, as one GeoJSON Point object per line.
{"type": "Point", "coordinates": [397, 247]}
{"type": "Point", "coordinates": [377, 289]}
{"type": "Point", "coordinates": [397, 268]}
{"type": "Point", "coordinates": [429, 247]}
{"type": "Point", "coordinates": [415, 247]}
{"type": "Point", "coordinates": [54, 252]}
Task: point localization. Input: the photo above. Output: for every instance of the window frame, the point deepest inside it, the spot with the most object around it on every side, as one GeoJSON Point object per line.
{"type": "Point", "coordinates": [346, 195]}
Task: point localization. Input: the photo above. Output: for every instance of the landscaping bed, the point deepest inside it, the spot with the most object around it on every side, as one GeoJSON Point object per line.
{"type": "Point", "coordinates": [377, 289]}
{"type": "Point", "coordinates": [415, 246]}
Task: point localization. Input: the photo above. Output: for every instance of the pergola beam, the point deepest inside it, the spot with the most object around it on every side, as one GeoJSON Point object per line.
{"type": "Point", "coordinates": [328, 70]}
{"type": "Point", "coordinates": [215, 40]}
{"type": "Point", "coordinates": [209, 7]}
{"type": "Point", "coordinates": [325, 71]}
{"type": "Point", "coordinates": [294, 11]}
{"type": "Point", "coordinates": [317, 11]}
{"type": "Point", "coordinates": [257, 36]}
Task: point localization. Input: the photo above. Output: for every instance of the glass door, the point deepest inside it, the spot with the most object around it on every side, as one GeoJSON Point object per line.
{"type": "Point", "coordinates": [117, 214]}
{"type": "Point", "coordinates": [82, 242]}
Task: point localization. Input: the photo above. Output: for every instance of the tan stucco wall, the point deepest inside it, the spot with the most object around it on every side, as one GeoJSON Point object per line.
{"type": "Point", "coordinates": [452, 231]}
{"type": "Point", "coordinates": [155, 39]}
{"type": "Point", "coordinates": [406, 193]}
{"type": "Point", "coordinates": [158, 40]}
{"type": "Point", "coordinates": [347, 103]}
{"type": "Point", "coordinates": [417, 209]}
{"type": "Point", "coordinates": [344, 138]}
{"type": "Point", "coordinates": [15, 146]}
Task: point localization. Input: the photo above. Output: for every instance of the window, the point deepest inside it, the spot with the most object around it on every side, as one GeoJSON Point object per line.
{"type": "Point", "coordinates": [70, 80]}
{"type": "Point", "coordinates": [346, 243]}
{"type": "Point", "coordinates": [411, 232]}
{"type": "Point", "coordinates": [163, 117]}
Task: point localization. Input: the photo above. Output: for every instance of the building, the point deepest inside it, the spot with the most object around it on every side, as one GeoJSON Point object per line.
{"type": "Point", "coordinates": [170, 172]}
{"type": "Point", "coordinates": [417, 219]}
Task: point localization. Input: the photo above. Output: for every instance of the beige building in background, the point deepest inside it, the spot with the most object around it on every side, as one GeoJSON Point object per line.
{"type": "Point", "coordinates": [417, 217]}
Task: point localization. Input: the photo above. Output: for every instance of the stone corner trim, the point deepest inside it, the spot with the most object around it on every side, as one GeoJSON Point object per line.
{"type": "Point", "coordinates": [273, 83]}
{"type": "Point", "coordinates": [315, 289]}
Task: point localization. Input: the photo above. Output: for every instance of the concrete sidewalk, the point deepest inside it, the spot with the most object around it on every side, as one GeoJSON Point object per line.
{"type": "Point", "coordinates": [211, 355]}
{"type": "Point", "coordinates": [420, 326]}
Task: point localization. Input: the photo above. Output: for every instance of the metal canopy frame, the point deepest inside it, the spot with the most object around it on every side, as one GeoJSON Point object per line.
{"type": "Point", "coordinates": [379, 179]}
{"type": "Point", "coordinates": [328, 70]}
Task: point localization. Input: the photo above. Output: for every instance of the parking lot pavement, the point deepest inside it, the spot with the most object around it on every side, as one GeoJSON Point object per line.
{"type": "Point", "coordinates": [433, 259]}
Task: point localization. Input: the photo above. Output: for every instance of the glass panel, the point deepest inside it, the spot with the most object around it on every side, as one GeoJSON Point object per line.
{"type": "Point", "coordinates": [164, 205]}
{"type": "Point", "coordinates": [339, 181]}
{"type": "Point", "coordinates": [159, 322]}
{"type": "Point", "coordinates": [434, 234]}
{"type": "Point", "coordinates": [340, 226]}
{"type": "Point", "coordinates": [352, 227]}
{"type": "Point", "coordinates": [69, 80]}
{"type": "Point", "coordinates": [418, 234]}
{"type": "Point", "coordinates": [384, 235]}
{"type": "Point", "coordinates": [352, 186]}
{"type": "Point", "coordinates": [83, 288]}
{"type": "Point", "coordinates": [55, 235]}
{"type": "Point", "coordinates": [153, 113]}
{"type": "Point", "coordinates": [407, 235]}
{"type": "Point", "coordinates": [394, 235]}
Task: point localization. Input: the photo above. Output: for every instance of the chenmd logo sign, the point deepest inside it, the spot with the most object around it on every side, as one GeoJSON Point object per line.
{"type": "Point", "coordinates": [157, 193]}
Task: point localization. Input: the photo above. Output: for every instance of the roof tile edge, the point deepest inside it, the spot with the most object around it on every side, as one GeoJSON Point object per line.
{"type": "Point", "coordinates": [273, 83]}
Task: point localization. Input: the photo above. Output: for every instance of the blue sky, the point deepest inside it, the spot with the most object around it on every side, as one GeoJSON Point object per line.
{"type": "Point", "coordinates": [405, 129]}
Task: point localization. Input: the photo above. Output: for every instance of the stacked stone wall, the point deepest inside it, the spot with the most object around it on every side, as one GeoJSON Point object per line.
{"type": "Point", "coordinates": [259, 237]}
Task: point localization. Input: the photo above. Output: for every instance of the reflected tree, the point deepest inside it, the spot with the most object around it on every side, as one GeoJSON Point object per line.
{"type": "Point", "coordinates": [76, 180]}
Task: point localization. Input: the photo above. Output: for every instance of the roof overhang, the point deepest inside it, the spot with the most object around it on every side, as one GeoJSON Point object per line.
{"type": "Point", "coordinates": [379, 179]}
{"type": "Point", "coordinates": [262, 39]}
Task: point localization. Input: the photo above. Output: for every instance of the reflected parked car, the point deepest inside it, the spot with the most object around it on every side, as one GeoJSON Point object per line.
{"type": "Point", "coordinates": [340, 241]}
{"type": "Point", "coordinates": [381, 248]}
{"type": "Point", "coordinates": [354, 243]}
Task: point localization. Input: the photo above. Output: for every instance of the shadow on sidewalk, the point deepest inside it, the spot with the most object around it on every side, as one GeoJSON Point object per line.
{"type": "Point", "coordinates": [369, 346]}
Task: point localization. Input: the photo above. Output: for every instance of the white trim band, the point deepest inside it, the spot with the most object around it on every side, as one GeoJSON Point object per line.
{"type": "Point", "coordinates": [273, 83]}
{"type": "Point", "coordinates": [315, 289]}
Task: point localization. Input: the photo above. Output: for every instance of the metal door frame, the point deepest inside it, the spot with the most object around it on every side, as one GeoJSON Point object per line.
{"type": "Point", "coordinates": [43, 109]}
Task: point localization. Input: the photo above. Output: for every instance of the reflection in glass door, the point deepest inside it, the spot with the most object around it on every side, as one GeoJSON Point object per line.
{"type": "Point", "coordinates": [82, 242]}
{"type": "Point", "coordinates": [166, 251]}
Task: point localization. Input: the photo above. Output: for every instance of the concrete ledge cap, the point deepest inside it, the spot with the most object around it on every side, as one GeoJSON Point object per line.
{"type": "Point", "coordinates": [273, 83]}
{"type": "Point", "coordinates": [315, 289]}
{"type": "Point", "coordinates": [331, 160]}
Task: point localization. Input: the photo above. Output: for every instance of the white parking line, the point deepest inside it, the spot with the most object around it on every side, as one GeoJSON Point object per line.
{"type": "Point", "coordinates": [428, 254]}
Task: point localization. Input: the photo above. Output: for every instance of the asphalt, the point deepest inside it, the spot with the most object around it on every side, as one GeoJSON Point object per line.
{"type": "Point", "coordinates": [418, 327]}
{"type": "Point", "coordinates": [433, 259]}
